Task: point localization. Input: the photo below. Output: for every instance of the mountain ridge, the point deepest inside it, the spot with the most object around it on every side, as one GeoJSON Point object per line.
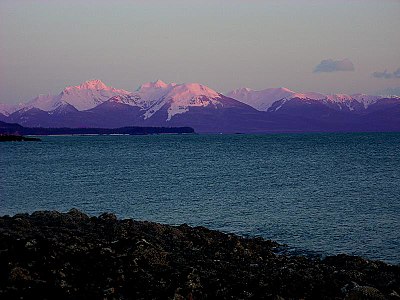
{"type": "Point", "coordinates": [94, 104]}
{"type": "Point", "coordinates": [263, 99]}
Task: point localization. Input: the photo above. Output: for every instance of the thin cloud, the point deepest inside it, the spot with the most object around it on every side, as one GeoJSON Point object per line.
{"type": "Point", "coordinates": [330, 65]}
{"type": "Point", "coordinates": [387, 75]}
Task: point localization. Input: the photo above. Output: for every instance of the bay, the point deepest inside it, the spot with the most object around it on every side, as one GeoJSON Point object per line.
{"type": "Point", "coordinates": [322, 194]}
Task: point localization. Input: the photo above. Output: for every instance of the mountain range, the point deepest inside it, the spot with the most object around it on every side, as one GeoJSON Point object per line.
{"type": "Point", "coordinates": [95, 105]}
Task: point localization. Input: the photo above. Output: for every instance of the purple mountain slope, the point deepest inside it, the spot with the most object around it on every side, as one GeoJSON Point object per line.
{"type": "Point", "coordinates": [30, 117]}
{"type": "Point", "coordinates": [231, 116]}
{"type": "Point", "coordinates": [384, 115]}
{"type": "Point", "coordinates": [3, 117]}
{"type": "Point", "coordinates": [66, 116]}
{"type": "Point", "coordinates": [105, 115]}
{"type": "Point", "coordinates": [111, 114]}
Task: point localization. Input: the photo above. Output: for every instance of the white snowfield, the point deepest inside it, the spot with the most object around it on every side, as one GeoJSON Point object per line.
{"type": "Point", "coordinates": [260, 100]}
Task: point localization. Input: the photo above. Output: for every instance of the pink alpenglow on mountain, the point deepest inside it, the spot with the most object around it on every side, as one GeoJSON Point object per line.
{"type": "Point", "coordinates": [84, 96]}
{"type": "Point", "coordinates": [177, 98]}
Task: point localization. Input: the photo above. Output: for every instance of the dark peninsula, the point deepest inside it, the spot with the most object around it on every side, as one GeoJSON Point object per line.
{"type": "Point", "coordinates": [17, 138]}
{"type": "Point", "coordinates": [16, 129]}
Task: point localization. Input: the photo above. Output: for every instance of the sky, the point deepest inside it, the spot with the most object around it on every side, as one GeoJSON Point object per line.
{"type": "Point", "coordinates": [329, 46]}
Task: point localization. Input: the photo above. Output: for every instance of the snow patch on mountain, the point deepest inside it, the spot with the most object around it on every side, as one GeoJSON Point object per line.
{"type": "Point", "coordinates": [130, 99]}
{"type": "Point", "coordinates": [366, 100]}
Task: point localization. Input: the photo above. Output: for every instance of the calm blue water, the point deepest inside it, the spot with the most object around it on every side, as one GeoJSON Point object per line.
{"type": "Point", "coordinates": [325, 193]}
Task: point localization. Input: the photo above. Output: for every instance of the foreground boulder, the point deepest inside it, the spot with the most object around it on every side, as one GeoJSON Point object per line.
{"type": "Point", "coordinates": [52, 255]}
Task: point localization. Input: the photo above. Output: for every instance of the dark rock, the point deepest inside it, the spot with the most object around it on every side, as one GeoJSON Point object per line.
{"type": "Point", "coordinates": [78, 215]}
{"type": "Point", "coordinates": [108, 217]}
{"type": "Point", "coordinates": [393, 295]}
{"type": "Point", "coordinates": [364, 293]}
{"type": "Point", "coordinates": [19, 274]}
{"type": "Point", "coordinates": [49, 255]}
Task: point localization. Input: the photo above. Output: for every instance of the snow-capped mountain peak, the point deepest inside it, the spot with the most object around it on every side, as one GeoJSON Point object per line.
{"type": "Point", "coordinates": [187, 95]}
{"type": "Point", "coordinates": [159, 84]}
{"type": "Point", "coordinates": [94, 84]}
{"type": "Point", "coordinates": [178, 98]}
{"type": "Point", "coordinates": [260, 100]}
{"type": "Point", "coordinates": [83, 97]}
{"type": "Point", "coordinates": [190, 90]}
{"type": "Point", "coordinates": [192, 104]}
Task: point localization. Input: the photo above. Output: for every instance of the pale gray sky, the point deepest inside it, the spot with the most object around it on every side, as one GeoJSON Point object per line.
{"type": "Point", "coordinates": [47, 45]}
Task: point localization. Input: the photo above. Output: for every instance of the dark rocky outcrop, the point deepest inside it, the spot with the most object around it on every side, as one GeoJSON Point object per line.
{"type": "Point", "coordinates": [52, 255]}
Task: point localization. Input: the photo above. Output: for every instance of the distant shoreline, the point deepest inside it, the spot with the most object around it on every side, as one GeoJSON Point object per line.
{"type": "Point", "coordinates": [16, 129]}
{"type": "Point", "coordinates": [115, 134]}
{"type": "Point", "coordinates": [71, 255]}
{"type": "Point", "coordinates": [17, 138]}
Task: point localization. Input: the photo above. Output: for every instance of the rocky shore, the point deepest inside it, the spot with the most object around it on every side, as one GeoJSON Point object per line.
{"type": "Point", "coordinates": [52, 255]}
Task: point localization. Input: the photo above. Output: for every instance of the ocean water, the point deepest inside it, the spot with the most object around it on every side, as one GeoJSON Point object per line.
{"type": "Point", "coordinates": [322, 194]}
